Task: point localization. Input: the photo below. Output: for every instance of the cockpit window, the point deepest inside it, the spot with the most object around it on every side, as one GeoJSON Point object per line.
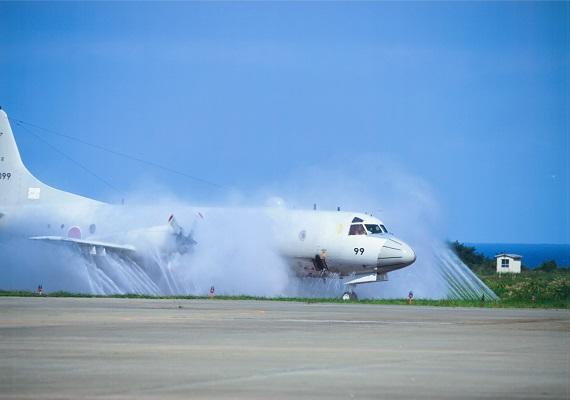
{"type": "Point", "coordinates": [356, 219]}
{"type": "Point", "coordinates": [357, 229]}
{"type": "Point", "coordinates": [384, 228]}
{"type": "Point", "coordinates": [373, 228]}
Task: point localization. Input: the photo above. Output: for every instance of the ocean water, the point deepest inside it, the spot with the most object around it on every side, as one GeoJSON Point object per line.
{"type": "Point", "coordinates": [533, 254]}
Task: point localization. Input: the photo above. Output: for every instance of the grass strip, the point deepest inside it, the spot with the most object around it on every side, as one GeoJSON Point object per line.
{"type": "Point", "coordinates": [556, 304]}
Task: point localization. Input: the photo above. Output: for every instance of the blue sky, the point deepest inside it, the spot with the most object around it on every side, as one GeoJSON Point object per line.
{"type": "Point", "coordinates": [470, 97]}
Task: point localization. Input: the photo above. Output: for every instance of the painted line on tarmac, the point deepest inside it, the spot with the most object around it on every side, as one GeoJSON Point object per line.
{"type": "Point", "coordinates": [363, 322]}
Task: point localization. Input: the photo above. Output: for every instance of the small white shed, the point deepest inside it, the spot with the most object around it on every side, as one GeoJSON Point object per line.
{"type": "Point", "coordinates": [510, 263]}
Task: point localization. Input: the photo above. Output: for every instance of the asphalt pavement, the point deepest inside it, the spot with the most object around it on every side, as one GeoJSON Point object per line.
{"type": "Point", "coordinates": [73, 348]}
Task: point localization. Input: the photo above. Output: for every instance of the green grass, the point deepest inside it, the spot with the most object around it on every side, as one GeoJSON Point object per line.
{"type": "Point", "coordinates": [531, 286]}
{"type": "Point", "coordinates": [508, 303]}
{"type": "Point", "coordinates": [530, 289]}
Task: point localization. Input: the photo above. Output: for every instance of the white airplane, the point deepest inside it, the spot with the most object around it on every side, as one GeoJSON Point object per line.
{"type": "Point", "coordinates": [314, 243]}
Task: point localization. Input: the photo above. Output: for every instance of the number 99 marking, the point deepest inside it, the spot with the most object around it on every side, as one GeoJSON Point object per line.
{"type": "Point", "coordinates": [358, 251]}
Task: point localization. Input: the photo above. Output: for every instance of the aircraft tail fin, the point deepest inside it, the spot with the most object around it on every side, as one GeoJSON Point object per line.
{"type": "Point", "coordinates": [10, 160]}
{"type": "Point", "coordinates": [17, 185]}
{"type": "Point", "coordinates": [12, 169]}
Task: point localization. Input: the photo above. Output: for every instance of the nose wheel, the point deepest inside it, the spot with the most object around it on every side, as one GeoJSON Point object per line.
{"type": "Point", "coordinates": [349, 294]}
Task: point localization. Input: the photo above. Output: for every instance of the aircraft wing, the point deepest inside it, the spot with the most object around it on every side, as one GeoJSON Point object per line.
{"type": "Point", "coordinates": [182, 244]}
{"type": "Point", "coordinates": [91, 246]}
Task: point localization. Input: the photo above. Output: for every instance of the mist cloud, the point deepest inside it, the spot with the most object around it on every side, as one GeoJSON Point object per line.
{"type": "Point", "coordinates": [235, 253]}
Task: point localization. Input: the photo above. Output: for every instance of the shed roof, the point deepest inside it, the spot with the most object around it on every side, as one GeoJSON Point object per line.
{"type": "Point", "coordinates": [513, 256]}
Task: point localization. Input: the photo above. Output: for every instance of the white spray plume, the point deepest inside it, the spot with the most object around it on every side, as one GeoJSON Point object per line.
{"type": "Point", "coordinates": [234, 252]}
{"type": "Point", "coordinates": [407, 204]}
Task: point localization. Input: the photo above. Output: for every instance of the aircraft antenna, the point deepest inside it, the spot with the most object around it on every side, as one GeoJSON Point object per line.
{"type": "Point", "coordinates": [21, 123]}
{"type": "Point", "coordinates": [71, 159]}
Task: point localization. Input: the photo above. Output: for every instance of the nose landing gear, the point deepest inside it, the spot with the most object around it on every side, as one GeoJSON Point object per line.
{"type": "Point", "coordinates": [351, 284]}
{"type": "Point", "coordinates": [350, 294]}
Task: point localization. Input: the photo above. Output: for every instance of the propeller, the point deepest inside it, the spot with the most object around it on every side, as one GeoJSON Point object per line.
{"type": "Point", "coordinates": [184, 242]}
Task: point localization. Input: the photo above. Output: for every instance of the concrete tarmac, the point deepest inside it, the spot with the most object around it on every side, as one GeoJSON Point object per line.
{"type": "Point", "coordinates": [70, 348]}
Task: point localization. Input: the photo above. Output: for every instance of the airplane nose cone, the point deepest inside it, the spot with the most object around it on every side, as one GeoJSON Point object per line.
{"type": "Point", "coordinates": [395, 254]}
{"type": "Point", "coordinates": [409, 256]}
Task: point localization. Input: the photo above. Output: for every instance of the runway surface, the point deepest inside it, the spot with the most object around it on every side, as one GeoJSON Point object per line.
{"type": "Point", "coordinates": [182, 349]}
